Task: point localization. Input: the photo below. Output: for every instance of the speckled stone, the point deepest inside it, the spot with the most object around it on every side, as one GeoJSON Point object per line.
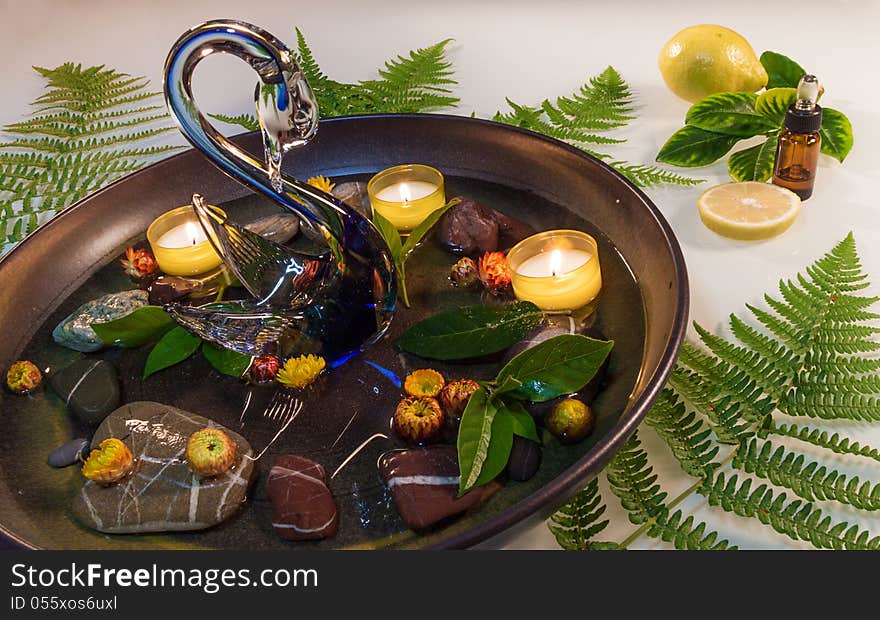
{"type": "Point", "coordinates": [162, 494]}
{"type": "Point", "coordinates": [89, 388]}
{"type": "Point", "coordinates": [75, 331]}
{"type": "Point", "coordinates": [302, 505]}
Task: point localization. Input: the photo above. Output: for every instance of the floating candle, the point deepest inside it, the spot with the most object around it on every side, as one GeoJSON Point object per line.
{"type": "Point", "coordinates": [180, 244]}
{"type": "Point", "coordinates": [557, 270]}
{"type": "Point", "coordinates": [405, 195]}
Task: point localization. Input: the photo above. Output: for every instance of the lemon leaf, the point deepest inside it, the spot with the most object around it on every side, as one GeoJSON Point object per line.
{"type": "Point", "coordinates": [774, 103]}
{"type": "Point", "coordinates": [837, 134]}
{"type": "Point", "coordinates": [755, 163]}
{"type": "Point", "coordinates": [782, 71]}
{"type": "Point", "coordinates": [732, 114]}
{"type": "Point", "coordinates": [691, 146]}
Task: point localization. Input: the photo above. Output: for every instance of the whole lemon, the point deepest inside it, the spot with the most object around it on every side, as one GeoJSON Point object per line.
{"type": "Point", "coordinates": [708, 58]}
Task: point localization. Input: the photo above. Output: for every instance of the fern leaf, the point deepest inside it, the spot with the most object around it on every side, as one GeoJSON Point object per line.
{"type": "Point", "coordinates": [817, 437]}
{"type": "Point", "coordinates": [603, 103]}
{"type": "Point", "coordinates": [577, 522]}
{"type": "Point", "coordinates": [796, 519]}
{"type": "Point", "coordinates": [808, 480]}
{"type": "Point", "coordinates": [634, 482]}
{"type": "Point", "coordinates": [84, 134]}
{"type": "Point", "coordinates": [250, 123]}
{"type": "Point", "coordinates": [687, 437]}
{"type": "Point", "coordinates": [648, 176]}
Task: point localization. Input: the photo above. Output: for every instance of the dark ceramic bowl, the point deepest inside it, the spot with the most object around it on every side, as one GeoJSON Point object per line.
{"type": "Point", "coordinates": [42, 276]}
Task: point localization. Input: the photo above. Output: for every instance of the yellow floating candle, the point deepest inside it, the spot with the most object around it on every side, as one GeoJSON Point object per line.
{"type": "Point", "coordinates": [180, 244]}
{"type": "Point", "coordinates": [557, 270]}
{"type": "Point", "coordinates": [405, 195]}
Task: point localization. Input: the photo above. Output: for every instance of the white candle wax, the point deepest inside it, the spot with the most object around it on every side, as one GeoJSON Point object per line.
{"type": "Point", "coordinates": [406, 191]}
{"type": "Point", "coordinates": [183, 235]}
{"type": "Point", "coordinates": [553, 263]}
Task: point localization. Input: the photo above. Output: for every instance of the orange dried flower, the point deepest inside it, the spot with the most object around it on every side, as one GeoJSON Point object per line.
{"type": "Point", "coordinates": [494, 271]}
{"type": "Point", "coordinates": [23, 377]}
{"type": "Point", "coordinates": [424, 382]}
{"type": "Point", "coordinates": [112, 461]}
{"type": "Point", "coordinates": [139, 263]}
{"type": "Point", "coordinates": [418, 420]}
{"type": "Point", "coordinates": [210, 452]}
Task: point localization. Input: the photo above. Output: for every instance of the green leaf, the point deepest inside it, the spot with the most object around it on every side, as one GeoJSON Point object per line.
{"type": "Point", "coordinates": [560, 365]}
{"type": "Point", "coordinates": [691, 146]}
{"type": "Point", "coordinates": [782, 71]}
{"type": "Point", "coordinates": [500, 444]}
{"type": "Point", "coordinates": [389, 234]}
{"type": "Point", "coordinates": [174, 347]}
{"type": "Point", "coordinates": [224, 361]}
{"type": "Point", "coordinates": [146, 324]}
{"type": "Point", "coordinates": [523, 422]}
{"type": "Point", "coordinates": [732, 114]}
{"type": "Point", "coordinates": [471, 331]}
{"type": "Point", "coordinates": [837, 134]}
{"type": "Point", "coordinates": [422, 229]}
{"type": "Point", "coordinates": [474, 437]}
{"type": "Point", "coordinates": [754, 163]}
{"type": "Point", "coordinates": [775, 102]}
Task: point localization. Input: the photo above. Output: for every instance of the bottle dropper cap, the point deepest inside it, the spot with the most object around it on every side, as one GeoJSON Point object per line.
{"type": "Point", "coordinates": [805, 115]}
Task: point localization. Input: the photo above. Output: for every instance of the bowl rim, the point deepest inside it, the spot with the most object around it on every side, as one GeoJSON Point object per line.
{"type": "Point", "coordinates": [588, 466]}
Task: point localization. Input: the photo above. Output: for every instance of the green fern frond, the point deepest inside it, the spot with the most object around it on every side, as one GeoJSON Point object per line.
{"type": "Point", "coordinates": [87, 130]}
{"type": "Point", "coordinates": [817, 437]}
{"type": "Point", "coordinates": [575, 524]}
{"type": "Point", "coordinates": [634, 482]}
{"type": "Point", "coordinates": [796, 519]}
{"type": "Point", "coordinates": [249, 122]}
{"type": "Point", "coordinates": [808, 480]}
{"type": "Point", "coordinates": [685, 434]}
{"type": "Point", "coordinates": [602, 104]}
{"type": "Point", "coordinates": [646, 176]}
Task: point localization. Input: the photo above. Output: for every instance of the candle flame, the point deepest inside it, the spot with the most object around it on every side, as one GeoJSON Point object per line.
{"type": "Point", "coordinates": [405, 192]}
{"type": "Point", "coordinates": [191, 231]}
{"type": "Point", "coordinates": [555, 262]}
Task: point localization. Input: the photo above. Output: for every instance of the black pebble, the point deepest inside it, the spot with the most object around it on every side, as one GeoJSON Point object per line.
{"type": "Point", "coordinates": [525, 459]}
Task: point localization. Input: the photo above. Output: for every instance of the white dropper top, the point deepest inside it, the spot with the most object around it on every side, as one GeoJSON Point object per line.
{"type": "Point", "coordinates": [807, 93]}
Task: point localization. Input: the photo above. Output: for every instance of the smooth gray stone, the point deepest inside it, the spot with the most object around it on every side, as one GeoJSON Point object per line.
{"type": "Point", "coordinates": [354, 194]}
{"type": "Point", "coordinates": [90, 389]}
{"type": "Point", "coordinates": [162, 494]}
{"type": "Point", "coordinates": [278, 227]}
{"type": "Point", "coordinates": [69, 453]}
{"type": "Point", "coordinates": [75, 331]}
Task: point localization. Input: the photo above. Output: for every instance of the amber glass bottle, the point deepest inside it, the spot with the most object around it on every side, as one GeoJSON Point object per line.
{"type": "Point", "coordinates": [797, 153]}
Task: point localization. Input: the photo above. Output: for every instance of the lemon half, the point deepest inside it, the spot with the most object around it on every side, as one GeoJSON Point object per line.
{"type": "Point", "coordinates": [748, 211]}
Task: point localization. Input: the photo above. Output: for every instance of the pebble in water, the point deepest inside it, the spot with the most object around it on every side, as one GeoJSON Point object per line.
{"type": "Point", "coordinates": [89, 388]}
{"type": "Point", "coordinates": [471, 228]}
{"type": "Point", "coordinates": [75, 331]}
{"type": "Point", "coordinates": [525, 459]}
{"type": "Point", "coordinates": [354, 194]}
{"type": "Point", "coordinates": [69, 453]}
{"type": "Point", "coordinates": [424, 484]}
{"type": "Point", "coordinates": [302, 505]}
{"type": "Point", "coordinates": [278, 227]}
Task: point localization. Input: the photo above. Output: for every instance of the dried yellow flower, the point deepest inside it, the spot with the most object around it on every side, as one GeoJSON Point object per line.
{"type": "Point", "coordinates": [322, 183]}
{"type": "Point", "coordinates": [298, 372]}
{"type": "Point", "coordinates": [111, 462]}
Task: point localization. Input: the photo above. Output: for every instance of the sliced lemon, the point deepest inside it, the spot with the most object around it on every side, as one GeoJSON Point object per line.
{"type": "Point", "coordinates": [749, 210]}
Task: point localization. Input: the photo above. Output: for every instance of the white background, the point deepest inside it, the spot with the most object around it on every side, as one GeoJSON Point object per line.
{"type": "Point", "coordinates": [529, 51]}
